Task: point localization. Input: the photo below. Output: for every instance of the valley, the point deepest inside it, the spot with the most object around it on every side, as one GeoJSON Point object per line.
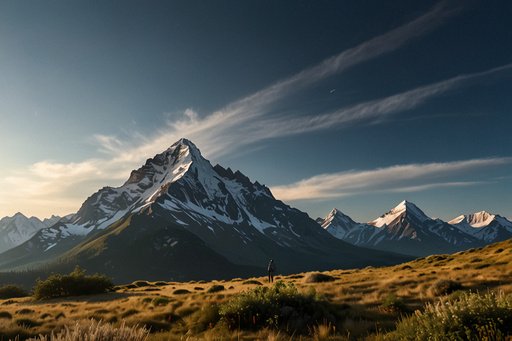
{"type": "Point", "coordinates": [368, 302]}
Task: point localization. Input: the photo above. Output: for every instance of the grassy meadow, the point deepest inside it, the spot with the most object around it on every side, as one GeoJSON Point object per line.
{"type": "Point", "coordinates": [355, 304]}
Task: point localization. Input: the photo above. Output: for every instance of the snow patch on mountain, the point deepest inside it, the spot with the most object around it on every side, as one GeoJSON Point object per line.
{"type": "Point", "coordinates": [17, 229]}
{"type": "Point", "coordinates": [403, 208]}
{"type": "Point", "coordinates": [343, 227]}
{"type": "Point", "coordinates": [484, 226]}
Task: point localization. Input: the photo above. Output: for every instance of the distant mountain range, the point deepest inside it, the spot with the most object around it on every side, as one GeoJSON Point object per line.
{"type": "Point", "coordinates": [178, 218]}
{"type": "Point", "coordinates": [406, 229]}
{"type": "Point", "coordinates": [17, 229]}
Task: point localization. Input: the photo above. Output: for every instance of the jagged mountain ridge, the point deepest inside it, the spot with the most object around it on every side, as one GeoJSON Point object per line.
{"type": "Point", "coordinates": [406, 228]}
{"type": "Point", "coordinates": [343, 227]}
{"type": "Point", "coordinates": [17, 229]}
{"type": "Point", "coordinates": [213, 209]}
{"type": "Point", "coordinates": [484, 226]}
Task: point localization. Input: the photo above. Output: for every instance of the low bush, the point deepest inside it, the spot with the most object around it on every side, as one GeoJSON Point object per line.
{"type": "Point", "coordinates": [216, 288]}
{"type": "Point", "coordinates": [24, 311]}
{"type": "Point", "coordinates": [318, 277]}
{"type": "Point", "coordinates": [472, 317]}
{"type": "Point", "coordinates": [204, 318]}
{"type": "Point", "coordinates": [141, 284]}
{"type": "Point", "coordinates": [75, 284]}
{"type": "Point", "coordinates": [392, 303]}
{"type": "Point", "coordinates": [181, 292]}
{"type": "Point", "coordinates": [444, 287]}
{"type": "Point", "coordinates": [129, 312]}
{"type": "Point", "coordinates": [27, 323]}
{"type": "Point", "coordinates": [280, 306]}
{"type": "Point", "coordinates": [160, 301]}
{"type": "Point", "coordinates": [5, 315]}
{"type": "Point", "coordinates": [11, 291]}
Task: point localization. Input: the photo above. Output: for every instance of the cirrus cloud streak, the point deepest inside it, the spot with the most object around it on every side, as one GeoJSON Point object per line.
{"type": "Point", "coordinates": [399, 178]}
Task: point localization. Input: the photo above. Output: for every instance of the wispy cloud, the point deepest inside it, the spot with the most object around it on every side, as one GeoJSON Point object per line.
{"type": "Point", "coordinates": [400, 178]}
{"type": "Point", "coordinates": [226, 129]}
{"type": "Point", "coordinates": [370, 111]}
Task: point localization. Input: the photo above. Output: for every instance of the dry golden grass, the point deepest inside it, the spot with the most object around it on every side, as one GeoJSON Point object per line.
{"type": "Point", "coordinates": [170, 315]}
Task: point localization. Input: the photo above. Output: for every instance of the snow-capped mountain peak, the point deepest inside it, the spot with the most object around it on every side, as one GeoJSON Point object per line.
{"type": "Point", "coordinates": [404, 208]}
{"type": "Point", "coordinates": [343, 227]}
{"type": "Point", "coordinates": [484, 226]}
{"type": "Point", "coordinates": [478, 219]}
{"type": "Point", "coordinates": [17, 229]}
{"type": "Point", "coordinates": [338, 218]}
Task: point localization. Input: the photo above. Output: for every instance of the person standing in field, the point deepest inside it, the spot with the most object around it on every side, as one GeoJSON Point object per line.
{"type": "Point", "coordinates": [271, 269]}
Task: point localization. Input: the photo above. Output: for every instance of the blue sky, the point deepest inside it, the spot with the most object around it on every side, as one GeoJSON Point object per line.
{"type": "Point", "coordinates": [348, 104]}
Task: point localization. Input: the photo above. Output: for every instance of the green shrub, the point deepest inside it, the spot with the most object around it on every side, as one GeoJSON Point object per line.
{"type": "Point", "coordinates": [11, 291]}
{"type": "Point", "coordinates": [318, 277]}
{"type": "Point", "coordinates": [445, 287]}
{"type": "Point", "coordinates": [216, 288]}
{"type": "Point", "coordinates": [393, 304]}
{"type": "Point", "coordinates": [472, 317]}
{"type": "Point", "coordinates": [74, 284]}
{"type": "Point", "coordinates": [280, 306]}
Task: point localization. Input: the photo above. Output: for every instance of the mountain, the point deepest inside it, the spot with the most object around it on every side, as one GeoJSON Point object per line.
{"type": "Point", "coordinates": [17, 229]}
{"type": "Point", "coordinates": [188, 219]}
{"type": "Point", "coordinates": [405, 229]}
{"type": "Point", "coordinates": [52, 220]}
{"type": "Point", "coordinates": [343, 227]}
{"type": "Point", "coordinates": [484, 226]}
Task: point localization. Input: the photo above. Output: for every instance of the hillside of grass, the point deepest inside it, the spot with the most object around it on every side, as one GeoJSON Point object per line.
{"type": "Point", "coordinates": [340, 305]}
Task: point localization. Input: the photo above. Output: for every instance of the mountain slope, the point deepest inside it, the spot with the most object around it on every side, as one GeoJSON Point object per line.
{"type": "Point", "coordinates": [343, 227]}
{"type": "Point", "coordinates": [17, 229]}
{"type": "Point", "coordinates": [484, 226]}
{"type": "Point", "coordinates": [213, 209]}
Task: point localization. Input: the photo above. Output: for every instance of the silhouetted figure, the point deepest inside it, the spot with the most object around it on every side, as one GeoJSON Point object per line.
{"type": "Point", "coordinates": [271, 269]}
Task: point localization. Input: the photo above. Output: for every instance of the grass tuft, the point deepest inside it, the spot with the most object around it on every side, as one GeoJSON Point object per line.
{"type": "Point", "coordinates": [252, 281]}
{"type": "Point", "coordinates": [216, 288]}
{"type": "Point", "coordinates": [318, 277]}
{"type": "Point", "coordinates": [181, 292]}
{"type": "Point", "coordinates": [89, 330]}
